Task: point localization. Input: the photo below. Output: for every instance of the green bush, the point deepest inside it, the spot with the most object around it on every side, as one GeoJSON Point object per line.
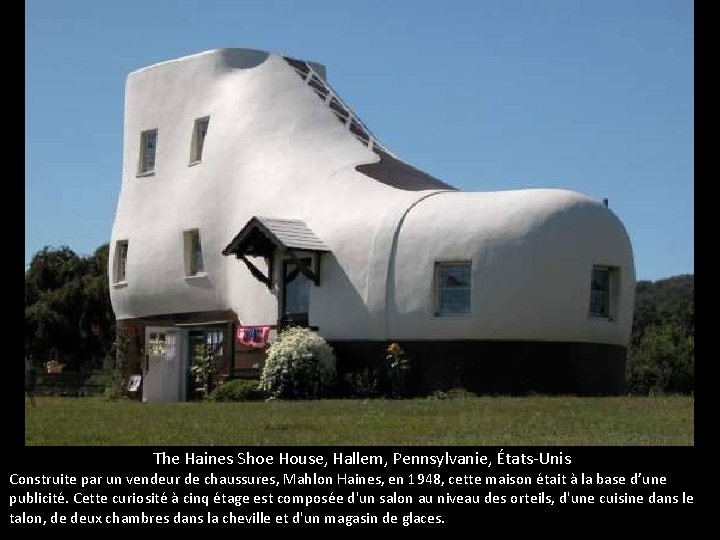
{"type": "Point", "coordinates": [300, 364]}
{"type": "Point", "coordinates": [238, 390]}
{"type": "Point", "coordinates": [203, 369]}
{"type": "Point", "coordinates": [663, 361]}
{"type": "Point", "coordinates": [399, 366]}
{"type": "Point", "coordinates": [362, 383]}
{"type": "Point", "coordinates": [661, 356]}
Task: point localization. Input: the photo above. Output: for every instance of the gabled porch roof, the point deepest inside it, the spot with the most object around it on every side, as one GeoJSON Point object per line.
{"type": "Point", "coordinates": [261, 236]}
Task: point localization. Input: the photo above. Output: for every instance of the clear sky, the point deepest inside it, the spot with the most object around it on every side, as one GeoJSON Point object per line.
{"type": "Point", "coordinates": [595, 96]}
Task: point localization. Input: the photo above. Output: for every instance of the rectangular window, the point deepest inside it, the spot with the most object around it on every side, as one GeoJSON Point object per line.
{"type": "Point", "coordinates": [215, 340]}
{"type": "Point", "coordinates": [194, 264]}
{"type": "Point", "coordinates": [198, 139]}
{"type": "Point", "coordinates": [121, 251]}
{"type": "Point", "coordinates": [453, 286]}
{"type": "Point", "coordinates": [148, 150]}
{"type": "Point", "coordinates": [157, 344]}
{"type": "Point", "coordinates": [601, 292]}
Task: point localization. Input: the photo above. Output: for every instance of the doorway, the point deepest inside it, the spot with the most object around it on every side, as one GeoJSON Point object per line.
{"type": "Point", "coordinates": [296, 294]}
{"type": "Point", "coordinates": [214, 338]}
{"type": "Point", "coordinates": [161, 369]}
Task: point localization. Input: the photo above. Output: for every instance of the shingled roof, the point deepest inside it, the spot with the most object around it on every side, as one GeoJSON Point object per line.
{"type": "Point", "coordinates": [292, 234]}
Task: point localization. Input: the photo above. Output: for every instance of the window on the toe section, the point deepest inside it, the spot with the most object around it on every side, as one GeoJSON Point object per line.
{"type": "Point", "coordinates": [453, 288]}
{"type": "Point", "coordinates": [603, 292]}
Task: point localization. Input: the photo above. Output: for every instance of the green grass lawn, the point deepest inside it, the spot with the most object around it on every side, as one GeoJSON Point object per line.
{"type": "Point", "coordinates": [459, 421]}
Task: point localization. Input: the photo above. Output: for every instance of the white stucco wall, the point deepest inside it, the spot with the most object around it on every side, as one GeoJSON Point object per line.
{"type": "Point", "coordinates": [532, 254]}
{"type": "Point", "coordinates": [274, 149]}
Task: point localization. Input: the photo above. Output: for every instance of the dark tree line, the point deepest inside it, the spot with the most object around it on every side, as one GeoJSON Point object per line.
{"type": "Point", "coordinates": [67, 308]}
{"type": "Point", "coordinates": [661, 356]}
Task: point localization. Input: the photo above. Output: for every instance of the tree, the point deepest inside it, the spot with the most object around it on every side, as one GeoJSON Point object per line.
{"type": "Point", "coordinates": [661, 357]}
{"type": "Point", "coordinates": [67, 306]}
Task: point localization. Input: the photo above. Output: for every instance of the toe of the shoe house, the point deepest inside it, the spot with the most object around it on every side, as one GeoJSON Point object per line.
{"type": "Point", "coordinates": [547, 265]}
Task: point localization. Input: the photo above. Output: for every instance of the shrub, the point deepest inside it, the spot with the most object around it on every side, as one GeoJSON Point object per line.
{"type": "Point", "coordinates": [203, 369]}
{"type": "Point", "coordinates": [363, 383]}
{"type": "Point", "coordinates": [399, 366]}
{"type": "Point", "coordinates": [663, 361]}
{"type": "Point", "coordinates": [119, 370]}
{"type": "Point", "coordinates": [300, 364]}
{"type": "Point", "coordinates": [238, 390]}
{"type": "Point", "coordinates": [460, 393]}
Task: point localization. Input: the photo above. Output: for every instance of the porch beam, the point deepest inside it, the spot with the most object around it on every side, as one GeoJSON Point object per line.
{"type": "Point", "coordinates": [257, 274]}
{"type": "Point", "coordinates": [315, 277]}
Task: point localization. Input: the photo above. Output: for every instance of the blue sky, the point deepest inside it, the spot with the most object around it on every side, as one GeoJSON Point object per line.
{"type": "Point", "coordinates": [594, 96]}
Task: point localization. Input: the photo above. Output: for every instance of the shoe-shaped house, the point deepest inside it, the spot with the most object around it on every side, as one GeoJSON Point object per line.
{"type": "Point", "coordinates": [253, 196]}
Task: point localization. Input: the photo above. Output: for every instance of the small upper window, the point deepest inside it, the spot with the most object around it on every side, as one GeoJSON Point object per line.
{"type": "Point", "coordinates": [452, 288]}
{"type": "Point", "coordinates": [601, 292]}
{"type": "Point", "coordinates": [198, 139]}
{"type": "Point", "coordinates": [121, 251]}
{"type": "Point", "coordinates": [148, 151]}
{"type": "Point", "coordinates": [194, 264]}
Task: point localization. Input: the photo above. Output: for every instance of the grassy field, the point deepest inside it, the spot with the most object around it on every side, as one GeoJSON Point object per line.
{"type": "Point", "coordinates": [460, 421]}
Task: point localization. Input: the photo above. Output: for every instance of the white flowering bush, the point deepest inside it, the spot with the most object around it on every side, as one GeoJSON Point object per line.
{"type": "Point", "coordinates": [300, 364]}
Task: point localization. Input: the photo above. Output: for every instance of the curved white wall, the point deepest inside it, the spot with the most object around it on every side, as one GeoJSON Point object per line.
{"type": "Point", "coordinates": [532, 255]}
{"type": "Point", "coordinates": [273, 148]}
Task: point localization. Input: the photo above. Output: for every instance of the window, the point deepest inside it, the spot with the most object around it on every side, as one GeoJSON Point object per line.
{"type": "Point", "coordinates": [121, 251]}
{"type": "Point", "coordinates": [198, 139]}
{"type": "Point", "coordinates": [296, 293]}
{"type": "Point", "coordinates": [601, 292]}
{"type": "Point", "coordinates": [148, 150]}
{"type": "Point", "coordinates": [157, 345]}
{"type": "Point", "coordinates": [215, 340]}
{"type": "Point", "coordinates": [194, 264]}
{"type": "Point", "coordinates": [452, 288]}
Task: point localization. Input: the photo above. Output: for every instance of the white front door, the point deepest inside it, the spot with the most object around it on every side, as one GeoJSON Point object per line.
{"type": "Point", "coordinates": [162, 370]}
